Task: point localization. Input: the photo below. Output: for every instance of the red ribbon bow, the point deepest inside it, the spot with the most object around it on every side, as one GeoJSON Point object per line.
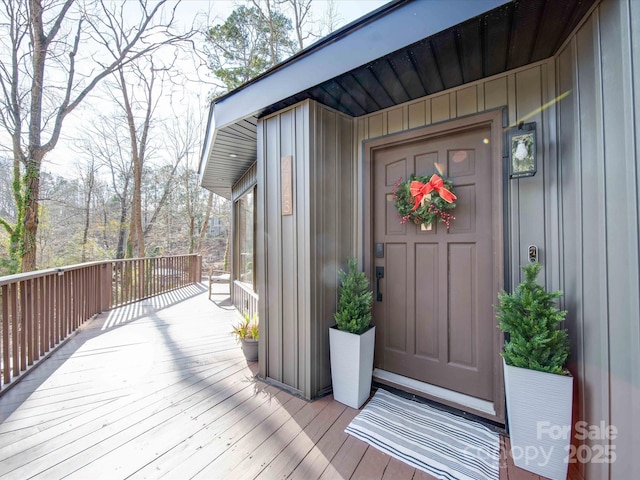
{"type": "Point", "coordinates": [418, 190]}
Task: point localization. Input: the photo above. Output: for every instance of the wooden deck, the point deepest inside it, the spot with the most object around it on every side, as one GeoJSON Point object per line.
{"type": "Point", "coordinates": [161, 389]}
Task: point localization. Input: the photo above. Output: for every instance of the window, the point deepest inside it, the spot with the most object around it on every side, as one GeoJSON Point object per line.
{"type": "Point", "coordinates": [245, 224]}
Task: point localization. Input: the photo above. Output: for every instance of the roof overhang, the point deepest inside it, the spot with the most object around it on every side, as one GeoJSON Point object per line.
{"type": "Point", "coordinates": [402, 51]}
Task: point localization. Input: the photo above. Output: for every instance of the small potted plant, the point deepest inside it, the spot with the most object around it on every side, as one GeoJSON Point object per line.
{"type": "Point", "coordinates": [247, 333]}
{"type": "Point", "coordinates": [538, 387]}
{"type": "Point", "coordinates": [351, 341]}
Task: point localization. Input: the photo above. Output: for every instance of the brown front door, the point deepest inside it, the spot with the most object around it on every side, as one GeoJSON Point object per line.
{"type": "Point", "coordinates": [436, 322]}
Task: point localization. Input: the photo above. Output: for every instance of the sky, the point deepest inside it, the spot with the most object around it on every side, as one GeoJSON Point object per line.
{"type": "Point", "coordinates": [196, 92]}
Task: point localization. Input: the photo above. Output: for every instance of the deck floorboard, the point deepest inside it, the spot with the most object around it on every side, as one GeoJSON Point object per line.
{"type": "Point", "coordinates": [160, 389]}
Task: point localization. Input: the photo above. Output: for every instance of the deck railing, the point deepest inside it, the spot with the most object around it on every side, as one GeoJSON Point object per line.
{"type": "Point", "coordinates": [38, 310]}
{"type": "Point", "coordinates": [245, 299]}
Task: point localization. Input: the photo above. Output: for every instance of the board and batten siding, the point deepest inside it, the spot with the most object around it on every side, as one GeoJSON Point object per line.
{"type": "Point", "coordinates": [599, 137]}
{"type": "Point", "coordinates": [528, 200]}
{"type": "Point", "coordinates": [299, 254]}
{"type": "Point", "coordinates": [581, 209]}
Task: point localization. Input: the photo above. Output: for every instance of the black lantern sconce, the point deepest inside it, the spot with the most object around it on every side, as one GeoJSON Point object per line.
{"type": "Point", "coordinates": [522, 150]}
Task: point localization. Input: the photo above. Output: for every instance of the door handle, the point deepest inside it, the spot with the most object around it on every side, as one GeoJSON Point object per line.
{"type": "Point", "coordinates": [379, 275]}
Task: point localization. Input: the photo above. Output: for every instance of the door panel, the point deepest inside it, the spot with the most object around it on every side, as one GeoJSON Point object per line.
{"type": "Point", "coordinates": [426, 338]}
{"type": "Point", "coordinates": [462, 298]}
{"type": "Point", "coordinates": [395, 296]}
{"type": "Point", "coordinates": [436, 321]}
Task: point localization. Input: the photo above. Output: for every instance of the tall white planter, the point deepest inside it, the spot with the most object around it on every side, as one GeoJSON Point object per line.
{"type": "Point", "coordinates": [539, 412]}
{"type": "Point", "coordinates": [351, 365]}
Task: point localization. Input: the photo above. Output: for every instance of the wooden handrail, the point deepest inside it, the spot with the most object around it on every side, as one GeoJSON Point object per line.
{"type": "Point", "coordinates": [39, 310]}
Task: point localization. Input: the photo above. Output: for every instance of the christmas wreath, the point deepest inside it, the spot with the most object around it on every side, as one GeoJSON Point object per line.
{"type": "Point", "coordinates": [424, 200]}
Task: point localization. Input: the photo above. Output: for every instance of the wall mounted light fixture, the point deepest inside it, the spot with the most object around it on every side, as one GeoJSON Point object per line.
{"type": "Point", "coordinates": [522, 150]}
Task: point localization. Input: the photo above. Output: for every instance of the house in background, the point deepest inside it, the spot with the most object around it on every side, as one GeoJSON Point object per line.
{"type": "Point", "coordinates": [310, 151]}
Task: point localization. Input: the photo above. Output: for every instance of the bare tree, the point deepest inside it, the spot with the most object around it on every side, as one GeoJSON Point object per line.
{"type": "Point", "coordinates": [139, 141]}
{"type": "Point", "coordinates": [107, 142]}
{"type": "Point", "coordinates": [301, 10]}
{"type": "Point", "coordinates": [331, 18]}
{"type": "Point", "coordinates": [53, 54]}
{"type": "Point", "coordinates": [181, 141]}
{"type": "Point", "coordinates": [88, 177]}
{"type": "Point", "coordinates": [205, 223]}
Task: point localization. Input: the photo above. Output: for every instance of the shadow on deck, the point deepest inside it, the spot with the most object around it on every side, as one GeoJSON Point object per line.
{"type": "Point", "coordinates": [161, 389]}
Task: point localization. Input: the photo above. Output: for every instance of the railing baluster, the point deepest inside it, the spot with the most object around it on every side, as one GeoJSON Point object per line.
{"type": "Point", "coordinates": [54, 305]}
{"type": "Point", "coordinates": [15, 330]}
{"type": "Point", "coordinates": [64, 279]}
{"type": "Point", "coordinates": [59, 306]}
{"type": "Point", "coordinates": [44, 293]}
{"type": "Point", "coordinates": [48, 313]}
{"type": "Point", "coordinates": [6, 348]}
{"type": "Point", "coordinates": [37, 311]}
{"type": "Point", "coordinates": [22, 327]}
{"type": "Point", "coordinates": [116, 300]}
{"type": "Point", "coordinates": [79, 295]}
{"type": "Point", "coordinates": [33, 322]}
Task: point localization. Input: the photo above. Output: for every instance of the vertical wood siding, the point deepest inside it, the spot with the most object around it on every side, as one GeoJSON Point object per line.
{"type": "Point", "coordinates": [523, 92]}
{"type": "Point", "coordinates": [299, 254]}
{"type": "Point", "coordinates": [581, 208]}
{"type": "Point", "coordinates": [599, 177]}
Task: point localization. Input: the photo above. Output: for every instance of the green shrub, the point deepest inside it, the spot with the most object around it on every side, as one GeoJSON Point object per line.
{"type": "Point", "coordinates": [354, 300]}
{"type": "Point", "coordinates": [530, 318]}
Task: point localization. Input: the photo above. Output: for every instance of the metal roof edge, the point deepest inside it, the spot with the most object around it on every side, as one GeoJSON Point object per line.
{"type": "Point", "coordinates": [326, 58]}
{"type": "Point", "coordinates": [331, 37]}
{"type": "Point", "coordinates": [206, 147]}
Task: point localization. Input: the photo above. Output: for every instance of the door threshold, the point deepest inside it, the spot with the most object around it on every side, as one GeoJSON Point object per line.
{"type": "Point", "coordinates": [477, 405]}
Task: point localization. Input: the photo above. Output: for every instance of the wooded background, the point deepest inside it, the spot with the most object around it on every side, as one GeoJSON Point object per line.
{"type": "Point", "coordinates": [102, 117]}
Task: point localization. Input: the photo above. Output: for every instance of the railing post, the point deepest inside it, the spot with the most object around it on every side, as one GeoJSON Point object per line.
{"type": "Point", "coordinates": [106, 286]}
{"type": "Point", "coordinates": [198, 278]}
{"type": "Point", "coordinates": [142, 280]}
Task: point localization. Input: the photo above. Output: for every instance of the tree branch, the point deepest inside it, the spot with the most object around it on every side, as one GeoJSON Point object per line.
{"type": "Point", "coordinates": [6, 225]}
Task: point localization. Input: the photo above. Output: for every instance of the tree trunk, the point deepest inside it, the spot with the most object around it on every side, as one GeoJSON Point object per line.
{"type": "Point", "coordinates": [205, 223]}
{"type": "Point", "coordinates": [226, 252]}
{"type": "Point", "coordinates": [16, 234]}
{"type": "Point", "coordinates": [122, 229]}
{"type": "Point", "coordinates": [163, 199]}
{"type": "Point", "coordinates": [135, 246]}
{"type": "Point", "coordinates": [87, 215]}
{"type": "Point", "coordinates": [30, 219]}
{"type": "Point", "coordinates": [192, 234]}
{"type": "Point", "coordinates": [105, 223]}
{"type": "Point", "coordinates": [34, 152]}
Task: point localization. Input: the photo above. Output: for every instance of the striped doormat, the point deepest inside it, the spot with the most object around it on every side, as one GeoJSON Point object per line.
{"type": "Point", "coordinates": [440, 443]}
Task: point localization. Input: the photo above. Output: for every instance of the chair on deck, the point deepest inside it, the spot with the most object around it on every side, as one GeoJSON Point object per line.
{"type": "Point", "coordinates": [218, 276]}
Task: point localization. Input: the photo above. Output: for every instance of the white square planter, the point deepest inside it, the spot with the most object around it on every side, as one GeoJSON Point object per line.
{"type": "Point", "coordinates": [351, 365]}
{"type": "Point", "coordinates": [539, 410]}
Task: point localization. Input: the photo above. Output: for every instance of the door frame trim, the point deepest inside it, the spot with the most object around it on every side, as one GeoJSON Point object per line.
{"type": "Point", "coordinates": [495, 120]}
